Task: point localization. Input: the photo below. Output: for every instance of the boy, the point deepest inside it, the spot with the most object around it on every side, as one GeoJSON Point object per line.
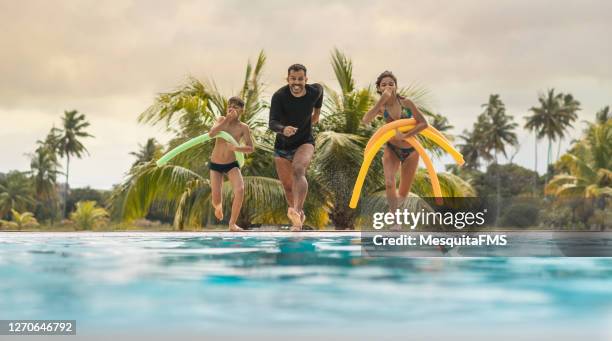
{"type": "Point", "coordinates": [223, 160]}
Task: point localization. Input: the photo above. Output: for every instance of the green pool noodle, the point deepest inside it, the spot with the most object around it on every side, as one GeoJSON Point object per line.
{"type": "Point", "coordinates": [196, 141]}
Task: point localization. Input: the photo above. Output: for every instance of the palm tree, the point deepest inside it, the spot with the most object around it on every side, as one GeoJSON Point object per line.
{"type": "Point", "coordinates": [603, 115]}
{"type": "Point", "coordinates": [567, 116]}
{"type": "Point", "coordinates": [477, 143]}
{"type": "Point", "coordinates": [470, 149]}
{"type": "Point", "coordinates": [496, 131]}
{"type": "Point", "coordinates": [16, 192]}
{"type": "Point", "coordinates": [69, 144]}
{"type": "Point", "coordinates": [552, 118]}
{"type": "Point", "coordinates": [340, 142]}
{"type": "Point", "coordinates": [500, 127]}
{"type": "Point", "coordinates": [151, 150]}
{"type": "Point", "coordinates": [44, 168]}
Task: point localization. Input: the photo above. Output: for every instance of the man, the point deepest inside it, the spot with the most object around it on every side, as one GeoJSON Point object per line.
{"type": "Point", "coordinates": [294, 109]}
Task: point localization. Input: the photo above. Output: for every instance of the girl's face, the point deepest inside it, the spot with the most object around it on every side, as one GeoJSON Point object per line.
{"type": "Point", "coordinates": [387, 83]}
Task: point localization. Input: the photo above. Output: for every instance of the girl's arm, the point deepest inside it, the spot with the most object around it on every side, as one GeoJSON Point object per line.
{"type": "Point", "coordinates": [421, 122]}
{"type": "Point", "coordinates": [377, 108]}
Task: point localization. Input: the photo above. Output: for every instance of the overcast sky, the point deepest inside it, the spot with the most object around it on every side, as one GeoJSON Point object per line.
{"type": "Point", "coordinates": [109, 59]}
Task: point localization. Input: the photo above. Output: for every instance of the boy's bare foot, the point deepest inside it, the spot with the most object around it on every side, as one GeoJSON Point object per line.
{"type": "Point", "coordinates": [235, 228]}
{"type": "Point", "coordinates": [218, 211]}
{"type": "Point", "coordinates": [294, 216]}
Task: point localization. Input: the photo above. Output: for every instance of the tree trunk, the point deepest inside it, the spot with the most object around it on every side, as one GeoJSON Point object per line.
{"type": "Point", "coordinates": [65, 208]}
{"type": "Point", "coordinates": [548, 159]}
{"type": "Point", "coordinates": [497, 190]}
{"type": "Point", "coordinates": [343, 218]}
{"type": "Point", "coordinates": [535, 178]}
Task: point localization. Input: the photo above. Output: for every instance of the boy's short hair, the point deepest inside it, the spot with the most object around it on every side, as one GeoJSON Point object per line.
{"type": "Point", "coordinates": [296, 68]}
{"type": "Point", "coordinates": [236, 101]}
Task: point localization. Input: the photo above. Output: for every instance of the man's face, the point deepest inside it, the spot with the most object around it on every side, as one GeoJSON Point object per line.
{"type": "Point", "coordinates": [297, 81]}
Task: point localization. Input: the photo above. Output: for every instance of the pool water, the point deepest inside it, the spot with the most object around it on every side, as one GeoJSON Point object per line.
{"type": "Point", "coordinates": [239, 283]}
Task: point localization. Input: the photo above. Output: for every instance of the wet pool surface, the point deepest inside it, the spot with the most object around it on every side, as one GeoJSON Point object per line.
{"type": "Point", "coordinates": [219, 282]}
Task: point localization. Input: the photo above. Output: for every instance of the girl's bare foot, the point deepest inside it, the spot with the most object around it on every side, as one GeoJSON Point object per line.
{"type": "Point", "coordinates": [294, 216]}
{"type": "Point", "coordinates": [235, 228]}
{"type": "Point", "coordinates": [218, 211]}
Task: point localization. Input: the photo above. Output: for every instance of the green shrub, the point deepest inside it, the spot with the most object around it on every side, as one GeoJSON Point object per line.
{"type": "Point", "coordinates": [87, 215]}
{"type": "Point", "coordinates": [521, 215]}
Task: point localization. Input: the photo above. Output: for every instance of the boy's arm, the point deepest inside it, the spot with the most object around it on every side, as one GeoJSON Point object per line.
{"type": "Point", "coordinates": [218, 126]}
{"type": "Point", "coordinates": [248, 140]}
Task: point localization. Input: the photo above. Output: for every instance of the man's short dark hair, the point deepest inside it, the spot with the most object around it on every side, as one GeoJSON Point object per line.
{"type": "Point", "coordinates": [236, 101]}
{"type": "Point", "coordinates": [296, 68]}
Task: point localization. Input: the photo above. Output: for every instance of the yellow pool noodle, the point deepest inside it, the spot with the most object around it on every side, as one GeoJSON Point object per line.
{"type": "Point", "coordinates": [435, 183]}
{"type": "Point", "coordinates": [389, 131]}
{"type": "Point", "coordinates": [399, 123]}
{"type": "Point", "coordinates": [431, 133]}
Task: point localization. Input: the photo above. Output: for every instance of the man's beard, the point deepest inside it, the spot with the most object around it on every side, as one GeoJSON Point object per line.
{"type": "Point", "coordinates": [296, 89]}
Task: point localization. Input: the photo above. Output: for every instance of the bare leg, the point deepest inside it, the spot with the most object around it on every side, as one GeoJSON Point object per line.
{"type": "Point", "coordinates": [216, 181]}
{"type": "Point", "coordinates": [407, 174]}
{"type": "Point", "coordinates": [390, 166]}
{"type": "Point", "coordinates": [300, 164]}
{"type": "Point", "coordinates": [301, 161]}
{"type": "Point", "coordinates": [235, 178]}
{"type": "Point", "coordinates": [283, 169]}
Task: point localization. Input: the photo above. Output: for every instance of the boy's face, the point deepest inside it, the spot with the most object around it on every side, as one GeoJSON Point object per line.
{"type": "Point", "coordinates": [235, 109]}
{"type": "Point", "coordinates": [297, 81]}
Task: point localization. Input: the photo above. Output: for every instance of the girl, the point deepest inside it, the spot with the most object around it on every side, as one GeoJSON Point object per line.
{"type": "Point", "coordinates": [398, 154]}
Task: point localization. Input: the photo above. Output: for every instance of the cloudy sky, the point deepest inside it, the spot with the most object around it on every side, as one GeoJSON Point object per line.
{"type": "Point", "coordinates": [109, 59]}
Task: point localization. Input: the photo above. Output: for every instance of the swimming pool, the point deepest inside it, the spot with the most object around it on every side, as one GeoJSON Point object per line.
{"type": "Point", "coordinates": [304, 284]}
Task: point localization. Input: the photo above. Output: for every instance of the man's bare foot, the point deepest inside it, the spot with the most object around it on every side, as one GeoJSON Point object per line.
{"type": "Point", "coordinates": [218, 211]}
{"type": "Point", "coordinates": [294, 216]}
{"type": "Point", "coordinates": [235, 228]}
